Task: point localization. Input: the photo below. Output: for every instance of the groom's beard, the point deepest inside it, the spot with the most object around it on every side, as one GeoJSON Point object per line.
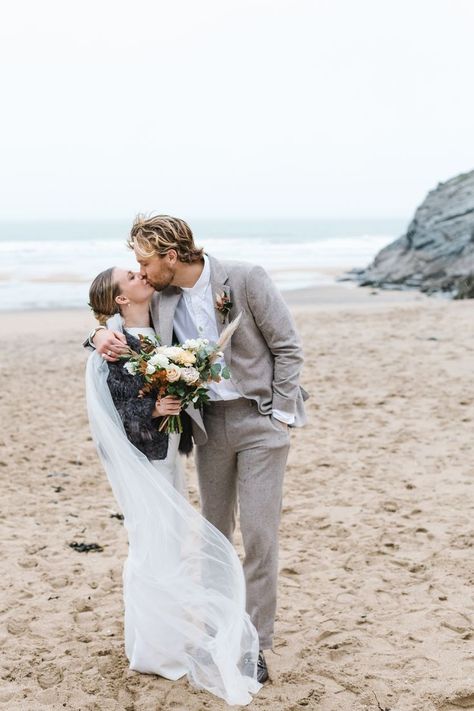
{"type": "Point", "coordinates": [162, 282]}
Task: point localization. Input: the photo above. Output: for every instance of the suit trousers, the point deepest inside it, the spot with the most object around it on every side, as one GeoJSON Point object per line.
{"type": "Point", "coordinates": [242, 464]}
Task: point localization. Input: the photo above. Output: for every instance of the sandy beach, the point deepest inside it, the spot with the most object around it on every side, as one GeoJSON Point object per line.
{"type": "Point", "coordinates": [375, 610]}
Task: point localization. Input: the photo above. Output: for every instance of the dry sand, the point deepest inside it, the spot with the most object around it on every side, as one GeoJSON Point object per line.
{"type": "Point", "coordinates": [376, 607]}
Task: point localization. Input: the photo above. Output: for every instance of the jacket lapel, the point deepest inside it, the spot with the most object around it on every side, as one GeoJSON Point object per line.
{"type": "Point", "coordinates": [154, 312]}
{"type": "Point", "coordinates": [168, 302]}
{"type": "Point", "coordinates": [219, 278]}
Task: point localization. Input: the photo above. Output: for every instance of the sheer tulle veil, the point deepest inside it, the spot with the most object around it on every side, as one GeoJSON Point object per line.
{"type": "Point", "coordinates": [183, 584]}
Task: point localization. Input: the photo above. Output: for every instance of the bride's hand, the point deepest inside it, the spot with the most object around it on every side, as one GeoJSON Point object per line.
{"type": "Point", "coordinates": [168, 405]}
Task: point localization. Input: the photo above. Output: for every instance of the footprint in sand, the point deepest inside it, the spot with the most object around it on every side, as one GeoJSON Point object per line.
{"type": "Point", "coordinates": [27, 562]}
{"type": "Point", "coordinates": [462, 698]}
{"type": "Point", "coordinates": [83, 605]}
{"type": "Point", "coordinates": [61, 581]}
{"type": "Point", "coordinates": [463, 540]}
{"type": "Point", "coordinates": [310, 699]}
{"type": "Point", "coordinates": [289, 571]}
{"type": "Point", "coordinates": [289, 677]}
{"type": "Point", "coordinates": [87, 623]}
{"type": "Point", "coordinates": [17, 626]}
{"type": "Point", "coordinates": [49, 675]}
{"type": "Point", "coordinates": [454, 620]}
{"type": "Point", "coordinates": [90, 681]}
{"type": "Point", "coordinates": [390, 506]}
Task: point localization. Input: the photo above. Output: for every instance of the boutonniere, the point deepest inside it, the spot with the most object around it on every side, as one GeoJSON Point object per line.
{"type": "Point", "coordinates": [224, 303]}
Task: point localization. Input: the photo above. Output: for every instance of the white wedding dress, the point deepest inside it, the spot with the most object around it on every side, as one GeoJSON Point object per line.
{"type": "Point", "coordinates": [183, 584]}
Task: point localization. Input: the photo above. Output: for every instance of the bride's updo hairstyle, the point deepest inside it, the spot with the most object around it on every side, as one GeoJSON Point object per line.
{"type": "Point", "coordinates": [102, 293]}
{"type": "Point", "coordinates": [155, 236]}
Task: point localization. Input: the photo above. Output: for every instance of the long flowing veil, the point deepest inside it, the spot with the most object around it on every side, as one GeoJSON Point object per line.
{"type": "Point", "coordinates": [184, 589]}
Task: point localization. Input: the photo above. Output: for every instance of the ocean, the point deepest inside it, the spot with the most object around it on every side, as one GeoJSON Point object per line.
{"type": "Point", "coordinates": [51, 264]}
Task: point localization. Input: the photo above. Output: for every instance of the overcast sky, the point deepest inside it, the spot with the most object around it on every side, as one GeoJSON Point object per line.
{"type": "Point", "coordinates": [240, 108]}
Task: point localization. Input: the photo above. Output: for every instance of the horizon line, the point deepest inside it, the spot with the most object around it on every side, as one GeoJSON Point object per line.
{"type": "Point", "coordinates": [235, 219]}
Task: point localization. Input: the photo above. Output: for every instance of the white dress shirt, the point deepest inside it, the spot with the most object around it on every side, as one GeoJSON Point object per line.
{"type": "Point", "coordinates": [195, 317]}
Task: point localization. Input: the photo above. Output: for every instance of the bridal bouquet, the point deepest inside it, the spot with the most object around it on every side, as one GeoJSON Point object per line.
{"type": "Point", "coordinates": [182, 370]}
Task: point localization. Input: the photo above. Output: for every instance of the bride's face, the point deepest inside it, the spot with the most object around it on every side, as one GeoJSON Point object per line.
{"type": "Point", "coordinates": [132, 286]}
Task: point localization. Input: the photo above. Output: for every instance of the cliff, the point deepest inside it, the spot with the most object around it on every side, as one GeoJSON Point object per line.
{"type": "Point", "coordinates": [437, 251]}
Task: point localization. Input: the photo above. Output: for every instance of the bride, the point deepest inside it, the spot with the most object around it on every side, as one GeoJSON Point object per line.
{"type": "Point", "coordinates": [184, 590]}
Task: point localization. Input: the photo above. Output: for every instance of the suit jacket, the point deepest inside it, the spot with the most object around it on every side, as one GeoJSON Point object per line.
{"type": "Point", "coordinates": [264, 354]}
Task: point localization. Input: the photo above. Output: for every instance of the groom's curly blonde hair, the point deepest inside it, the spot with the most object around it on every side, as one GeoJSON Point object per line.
{"type": "Point", "coordinates": [155, 236]}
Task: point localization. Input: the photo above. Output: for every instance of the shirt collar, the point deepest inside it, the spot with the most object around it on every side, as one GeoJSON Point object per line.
{"type": "Point", "coordinates": [200, 287]}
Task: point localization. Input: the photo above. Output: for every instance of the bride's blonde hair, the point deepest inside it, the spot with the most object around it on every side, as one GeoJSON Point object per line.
{"type": "Point", "coordinates": [102, 293]}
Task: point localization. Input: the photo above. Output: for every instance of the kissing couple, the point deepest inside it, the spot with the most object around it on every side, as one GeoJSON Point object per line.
{"type": "Point", "coordinates": [190, 606]}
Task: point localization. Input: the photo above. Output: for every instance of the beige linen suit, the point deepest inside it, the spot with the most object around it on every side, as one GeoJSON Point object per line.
{"type": "Point", "coordinates": [241, 449]}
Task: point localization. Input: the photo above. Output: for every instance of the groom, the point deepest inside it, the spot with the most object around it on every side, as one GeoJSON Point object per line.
{"type": "Point", "coordinates": [242, 457]}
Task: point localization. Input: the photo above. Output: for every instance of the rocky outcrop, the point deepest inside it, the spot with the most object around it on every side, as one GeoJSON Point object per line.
{"type": "Point", "coordinates": [437, 251]}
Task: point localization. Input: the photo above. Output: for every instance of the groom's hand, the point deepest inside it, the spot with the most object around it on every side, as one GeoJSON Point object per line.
{"type": "Point", "coordinates": [110, 344]}
{"type": "Point", "coordinates": [282, 425]}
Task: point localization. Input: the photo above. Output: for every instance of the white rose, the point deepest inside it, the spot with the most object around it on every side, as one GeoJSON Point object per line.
{"type": "Point", "coordinates": [160, 360]}
{"type": "Point", "coordinates": [170, 351]}
{"type": "Point", "coordinates": [173, 373]}
{"type": "Point", "coordinates": [130, 367]}
{"type": "Point", "coordinates": [189, 375]}
{"type": "Point", "coordinates": [150, 369]}
{"type": "Point", "coordinates": [194, 344]}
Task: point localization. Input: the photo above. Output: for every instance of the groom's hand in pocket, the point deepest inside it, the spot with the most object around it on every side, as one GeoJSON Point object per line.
{"type": "Point", "coordinates": [110, 344]}
{"type": "Point", "coordinates": [282, 425]}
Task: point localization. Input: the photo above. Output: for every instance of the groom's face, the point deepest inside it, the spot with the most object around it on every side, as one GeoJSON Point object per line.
{"type": "Point", "coordinates": [158, 271]}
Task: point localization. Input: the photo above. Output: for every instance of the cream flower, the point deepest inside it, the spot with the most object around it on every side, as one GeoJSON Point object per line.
{"type": "Point", "coordinates": [189, 375]}
{"type": "Point", "coordinates": [173, 373]}
{"type": "Point", "coordinates": [185, 358]}
{"type": "Point", "coordinates": [171, 352]}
